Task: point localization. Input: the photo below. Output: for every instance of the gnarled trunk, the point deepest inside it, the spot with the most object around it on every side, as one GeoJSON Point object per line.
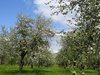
{"type": "Point", "coordinates": [21, 63]}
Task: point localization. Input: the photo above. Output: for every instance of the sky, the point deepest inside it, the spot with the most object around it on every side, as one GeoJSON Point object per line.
{"type": "Point", "coordinates": [9, 9]}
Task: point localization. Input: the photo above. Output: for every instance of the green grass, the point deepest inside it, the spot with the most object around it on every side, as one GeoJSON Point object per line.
{"type": "Point", "coordinates": [53, 70]}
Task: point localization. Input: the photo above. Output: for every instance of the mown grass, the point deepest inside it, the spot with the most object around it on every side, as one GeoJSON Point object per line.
{"type": "Point", "coordinates": [53, 70]}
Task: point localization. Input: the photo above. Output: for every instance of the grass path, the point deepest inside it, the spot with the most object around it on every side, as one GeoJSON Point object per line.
{"type": "Point", "coordinates": [54, 70]}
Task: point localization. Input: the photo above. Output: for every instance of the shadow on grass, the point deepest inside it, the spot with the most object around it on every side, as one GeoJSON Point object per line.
{"type": "Point", "coordinates": [34, 72]}
{"type": "Point", "coordinates": [15, 72]}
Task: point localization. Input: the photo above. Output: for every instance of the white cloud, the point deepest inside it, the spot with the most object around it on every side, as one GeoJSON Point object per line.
{"type": "Point", "coordinates": [55, 44]}
{"type": "Point", "coordinates": [46, 11]}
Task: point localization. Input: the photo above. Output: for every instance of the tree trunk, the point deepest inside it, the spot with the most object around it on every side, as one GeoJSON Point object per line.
{"type": "Point", "coordinates": [1, 60]}
{"type": "Point", "coordinates": [99, 71]}
{"type": "Point", "coordinates": [99, 66]}
{"type": "Point", "coordinates": [32, 60]}
{"type": "Point", "coordinates": [21, 63]}
{"type": "Point", "coordinates": [31, 65]}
